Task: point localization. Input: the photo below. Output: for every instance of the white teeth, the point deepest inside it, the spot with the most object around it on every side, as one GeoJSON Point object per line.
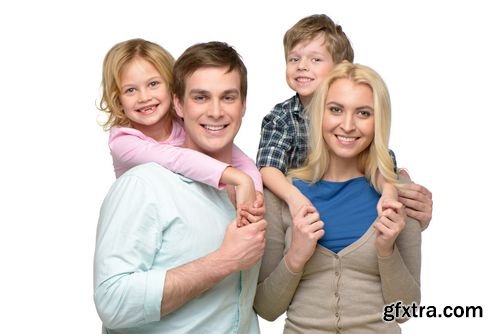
{"type": "Point", "coordinates": [346, 138]}
{"type": "Point", "coordinates": [147, 109]}
{"type": "Point", "coordinates": [214, 127]}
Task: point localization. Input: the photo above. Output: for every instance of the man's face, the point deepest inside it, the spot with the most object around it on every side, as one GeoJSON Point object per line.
{"type": "Point", "coordinates": [212, 110]}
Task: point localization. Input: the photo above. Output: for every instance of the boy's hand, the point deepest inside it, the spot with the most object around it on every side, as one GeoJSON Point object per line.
{"type": "Point", "coordinates": [389, 195]}
{"type": "Point", "coordinates": [296, 200]}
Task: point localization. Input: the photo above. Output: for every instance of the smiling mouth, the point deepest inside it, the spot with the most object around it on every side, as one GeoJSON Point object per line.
{"type": "Point", "coordinates": [148, 109]}
{"type": "Point", "coordinates": [215, 127]}
{"type": "Point", "coordinates": [303, 80]}
{"type": "Point", "coordinates": [346, 139]}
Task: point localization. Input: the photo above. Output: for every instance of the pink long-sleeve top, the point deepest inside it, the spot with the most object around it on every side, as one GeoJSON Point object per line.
{"type": "Point", "coordinates": [130, 147]}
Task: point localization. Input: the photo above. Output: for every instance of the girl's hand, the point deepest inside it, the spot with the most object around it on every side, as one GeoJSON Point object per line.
{"type": "Point", "coordinates": [389, 225]}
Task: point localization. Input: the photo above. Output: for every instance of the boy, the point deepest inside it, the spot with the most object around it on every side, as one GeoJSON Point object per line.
{"type": "Point", "coordinates": [313, 46]}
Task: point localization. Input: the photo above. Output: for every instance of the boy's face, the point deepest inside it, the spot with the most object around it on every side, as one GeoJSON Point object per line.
{"type": "Point", "coordinates": [212, 110]}
{"type": "Point", "coordinates": [307, 65]}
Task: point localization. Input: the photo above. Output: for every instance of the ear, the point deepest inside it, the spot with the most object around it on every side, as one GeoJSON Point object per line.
{"type": "Point", "coordinates": [179, 110]}
{"type": "Point", "coordinates": [243, 108]}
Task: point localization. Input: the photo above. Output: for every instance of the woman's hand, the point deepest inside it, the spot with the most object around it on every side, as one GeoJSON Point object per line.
{"type": "Point", "coordinates": [307, 230]}
{"type": "Point", "coordinates": [389, 225]}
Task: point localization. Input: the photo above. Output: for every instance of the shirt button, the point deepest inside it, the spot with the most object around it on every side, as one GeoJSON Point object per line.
{"type": "Point", "coordinates": [336, 294]}
{"type": "Point", "coordinates": [337, 314]}
{"type": "Point", "coordinates": [336, 273]}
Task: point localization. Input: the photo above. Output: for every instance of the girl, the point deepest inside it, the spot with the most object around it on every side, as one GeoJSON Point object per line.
{"type": "Point", "coordinates": [337, 274]}
{"type": "Point", "coordinates": [136, 81]}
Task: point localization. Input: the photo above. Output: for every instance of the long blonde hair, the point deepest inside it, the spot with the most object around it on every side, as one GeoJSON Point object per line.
{"type": "Point", "coordinates": [116, 58]}
{"type": "Point", "coordinates": [373, 158]}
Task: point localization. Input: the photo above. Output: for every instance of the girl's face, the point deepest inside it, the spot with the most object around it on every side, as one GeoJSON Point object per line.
{"type": "Point", "coordinates": [307, 65]}
{"type": "Point", "coordinates": [144, 97]}
{"type": "Point", "coordinates": [348, 119]}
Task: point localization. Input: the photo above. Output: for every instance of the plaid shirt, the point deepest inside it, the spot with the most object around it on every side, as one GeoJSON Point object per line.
{"type": "Point", "coordinates": [284, 136]}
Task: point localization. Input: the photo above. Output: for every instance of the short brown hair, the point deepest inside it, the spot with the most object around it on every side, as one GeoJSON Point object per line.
{"type": "Point", "coordinates": [312, 26]}
{"type": "Point", "coordinates": [211, 54]}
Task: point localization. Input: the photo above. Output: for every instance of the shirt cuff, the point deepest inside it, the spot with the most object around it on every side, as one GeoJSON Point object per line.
{"type": "Point", "coordinates": [155, 283]}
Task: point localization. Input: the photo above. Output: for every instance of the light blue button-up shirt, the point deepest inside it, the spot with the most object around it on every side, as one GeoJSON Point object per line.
{"type": "Point", "coordinates": [153, 220]}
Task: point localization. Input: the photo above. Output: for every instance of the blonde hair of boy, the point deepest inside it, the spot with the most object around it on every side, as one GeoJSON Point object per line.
{"type": "Point", "coordinates": [116, 58]}
{"type": "Point", "coordinates": [312, 26]}
{"type": "Point", "coordinates": [374, 157]}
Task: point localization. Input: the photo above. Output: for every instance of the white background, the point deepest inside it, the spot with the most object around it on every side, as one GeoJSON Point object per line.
{"type": "Point", "coordinates": [439, 59]}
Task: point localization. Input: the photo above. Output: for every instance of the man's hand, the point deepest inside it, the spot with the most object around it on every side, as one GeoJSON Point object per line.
{"type": "Point", "coordinates": [243, 247]}
{"type": "Point", "coordinates": [418, 201]}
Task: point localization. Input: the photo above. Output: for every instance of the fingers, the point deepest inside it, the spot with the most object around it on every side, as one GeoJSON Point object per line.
{"type": "Point", "coordinates": [392, 205]}
{"type": "Point", "coordinates": [390, 225]}
{"type": "Point", "coordinates": [306, 210]}
{"type": "Point", "coordinates": [248, 217]}
{"type": "Point", "coordinates": [415, 191]}
{"type": "Point", "coordinates": [259, 200]}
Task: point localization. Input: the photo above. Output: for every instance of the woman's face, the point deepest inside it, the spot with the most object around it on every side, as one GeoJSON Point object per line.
{"type": "Point", "coordinates": [348, 119]}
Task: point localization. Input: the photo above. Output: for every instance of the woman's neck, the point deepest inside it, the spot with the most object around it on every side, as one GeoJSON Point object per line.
{"type": "Point", "coordinates": [340, 170]}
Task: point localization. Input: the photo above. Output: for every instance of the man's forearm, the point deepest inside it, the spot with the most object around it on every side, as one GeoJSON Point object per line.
{"type": "Point", "coordinates": [189, 281]}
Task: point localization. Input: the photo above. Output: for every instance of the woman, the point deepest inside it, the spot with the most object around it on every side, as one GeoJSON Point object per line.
{"type": "Point", "coordinates": [337, 274]}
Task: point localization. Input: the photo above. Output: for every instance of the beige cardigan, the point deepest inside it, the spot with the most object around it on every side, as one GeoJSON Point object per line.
{"type": "Point", "coordinates": [336, 293]}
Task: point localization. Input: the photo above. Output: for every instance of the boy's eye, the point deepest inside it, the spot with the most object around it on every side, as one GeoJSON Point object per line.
{"type": "Point", "coordinates": [316, 60]}
{"type": "Point", "coordinates": [293, 59]}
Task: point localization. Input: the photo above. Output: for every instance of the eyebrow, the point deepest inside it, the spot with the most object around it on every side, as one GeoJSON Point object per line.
{"type": "Point", "coordinates": [342, 106]}
{"type": "Point", "coordinates": [126, 85]}
{"type": "Point", "coordinates": [206, 92]}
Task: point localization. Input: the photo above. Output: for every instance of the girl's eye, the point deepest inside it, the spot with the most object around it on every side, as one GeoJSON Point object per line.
{"type": "Point", "coordinates": [154, 83]}
{"type": "Point", "coordinates": [129, 90]}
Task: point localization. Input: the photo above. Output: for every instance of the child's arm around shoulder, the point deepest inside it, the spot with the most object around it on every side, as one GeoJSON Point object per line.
{"type": "Point", "coordinates": [278, 183]}
{"type": "Point", "coordinates": [130, 148]}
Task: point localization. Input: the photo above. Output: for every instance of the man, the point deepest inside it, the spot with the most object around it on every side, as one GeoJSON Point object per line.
{"type": "Point", "coordinates": [168, 258]}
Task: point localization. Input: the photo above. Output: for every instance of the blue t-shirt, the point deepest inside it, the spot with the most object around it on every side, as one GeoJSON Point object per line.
{"type": "Point", "coordinates": [347, 208]}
